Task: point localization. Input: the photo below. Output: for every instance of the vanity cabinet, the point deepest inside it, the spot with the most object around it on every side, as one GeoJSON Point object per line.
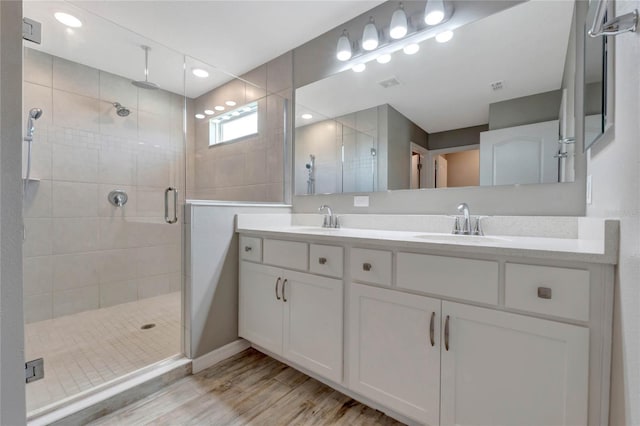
{"type": "Point", "coordinates": [394, 347]}
{"type": "Point", "coordinates": [295, 315]}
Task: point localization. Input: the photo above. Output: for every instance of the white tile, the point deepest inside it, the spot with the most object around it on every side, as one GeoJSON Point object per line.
{"type": "Point", "coordinates": [113, 124]}
{"type": "Point", "coordinates": [156, 101]}
{"type": "Point", "coordinates": [153, 260]}
{"type": "Point", "coordinates": [115, 293]}
{"type": "Point", "coordinates": [76, 78]}
{"type": "Point", "coordinates": [152, 171]}
{"type": "Point", "coordinates": [74, 163]}
{"type": "Point", "coordinates": [255, 167]}
{"type": "Point", "coordinates": [175, 281]}
{"type": "Point", "coordinates": [72, 199]}
{"type": "Point", "coordinates": [116, 233]}
{"type": "Point", "coordinates": [153, 286]}
{"type": "Point", "coordinates": [117, 265]}
{"type": "Point", "coordinates": [38, 67]}
{"type": "Point", "coordinates": [37, 275]}
{"type": "Point", "coordinates": [117, 166]}
{"type": "Point", "coordinates": [37, 199]}
{"type": "Point", "coordinates": [74, 235]}
{"type": "Point", "coordinates": [154, 129]}
{"type": "Point", "coordinates": [38, 237]}
{"type": "Point", "coordinates": [76, 111]}
{"type": "Point", "coordinates": [114, 88]}
{"type": "Point", "coordinates": [75, 300]}
{"type": "Point", "coordinates": [75, 270]}
{"type": "Point", "coordinates": [37, 308]}
{"type": "Point", "coordinates": [151, 202]}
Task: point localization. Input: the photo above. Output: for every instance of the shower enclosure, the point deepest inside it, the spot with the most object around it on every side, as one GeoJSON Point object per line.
{"type": "Point", "coordinates": [123, 131]}
{"type": "Point", "coordinates": [104, 169]}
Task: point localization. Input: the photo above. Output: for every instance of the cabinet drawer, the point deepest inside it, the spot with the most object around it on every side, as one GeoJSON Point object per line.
{"type": "Point", "coordinates": [468, 279]}
{"type": "Point", "coordinates": [372, 266]}
{"type": "Point", "coordinates": [250, 248]}
{"type": "Point", "coordinates": [548, 290]}
{"type": "Point", "coordinates": [325, 260]}
{"type": "Point", "coordinates": [288, 254]}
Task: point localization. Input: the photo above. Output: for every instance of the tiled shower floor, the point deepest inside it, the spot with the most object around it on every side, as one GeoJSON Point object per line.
{"type": "Point", "coordinates": [87, 349]}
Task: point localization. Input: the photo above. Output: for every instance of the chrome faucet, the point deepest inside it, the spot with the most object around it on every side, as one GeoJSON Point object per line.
{"type": "Point", "coordinates": [465, 229]}
{"type": "Point", "coordinates": [466, 225]}
{"type": "Point", "coordinates": [330, 221]}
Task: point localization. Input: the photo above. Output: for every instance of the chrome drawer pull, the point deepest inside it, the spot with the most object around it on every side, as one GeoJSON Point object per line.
{"type": "Point", "coordinates": [432, 329]}
{"type": "Point", "coordinates": [544, 292]}
{"type": "Point", "coordinates": [446, 333]}
{"type": "Point", "coordinates": [322, 260]}
{"type": "Point", "coordinates": [366, 266]}
{"type": "Point", "coordinates": [284, 284]}
{"type": "Point", "coordinates": [277, 282]}
{"type": "Point", "coordinates": [247, 248]}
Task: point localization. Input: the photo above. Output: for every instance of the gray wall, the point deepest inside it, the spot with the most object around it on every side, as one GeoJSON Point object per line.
{"type": "Point", "coordinates": [525, 110]}
{"type": "Point", "coordinates": [615, 176]}
{"type": "Point", "coordinates": [457, 137]}
{"type": "Point", "coordinates": [12, 395]}
{"type": "Point", "coordinates": [401, 132]}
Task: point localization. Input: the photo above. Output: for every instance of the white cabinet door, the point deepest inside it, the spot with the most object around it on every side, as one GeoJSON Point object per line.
{"type": "Point", "coordinates": [508, 369]}
{"type": "Point", "coordinates": [313, 323]}
{"type": "Point", "coordinates": [261, 313]}
{"type": "Point", "coordinates": [394, 356]}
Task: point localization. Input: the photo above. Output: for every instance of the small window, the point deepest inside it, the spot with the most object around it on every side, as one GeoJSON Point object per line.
{"type": "Point", "coordinates": [234, 125]}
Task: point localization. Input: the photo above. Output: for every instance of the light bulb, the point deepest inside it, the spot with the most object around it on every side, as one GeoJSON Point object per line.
{"type": "Point", "coordinates": [343, 52]}
{"type": "Point", "coordinates": [383, 59]}
{"type": "Point", "coordinates": [444, 37]}
{"type": "Point", "coordinates": [411, 49]}
{"type": "Point", "coordinates": [359, 67]}
{"type": "Point", "coordinates": [230, 103]}
{"type": "Point", "coordinates": [219, 108]}
{"type": "Point", "coordinates": [209, 112]}
{"type": "Point", "coordinates": [398, 27]}
{"type": "Point", "coordinates": [434, 12]}
{"type": "Point", "coordinates": [199, 116]}
{"type": "Point", "coordinates": [370, 36]}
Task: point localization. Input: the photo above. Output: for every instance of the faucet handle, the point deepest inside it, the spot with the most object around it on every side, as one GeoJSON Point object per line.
{"type": "Point", "coordinates": [456, 225]}
{"type": "Point", "coordinates": [477, 227]}
{"type": "Point", "coordinates": [336, 222]}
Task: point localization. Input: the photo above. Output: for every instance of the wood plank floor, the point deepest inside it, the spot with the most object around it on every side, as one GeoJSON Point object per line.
{"type": "Point", "coordinates": [247, 389]}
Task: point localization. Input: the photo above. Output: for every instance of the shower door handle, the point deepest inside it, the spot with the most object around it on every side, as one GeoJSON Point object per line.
{"type": "Point", "coordinates": [175, 205]}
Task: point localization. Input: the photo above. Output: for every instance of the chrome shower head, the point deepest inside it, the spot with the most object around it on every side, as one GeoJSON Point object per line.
{"type": "Point", "coordinates": [146, 84]}
{"type": "Point", "coordinates": [121, 110]}
{"type": "Point", "coordinates": [34, 114]}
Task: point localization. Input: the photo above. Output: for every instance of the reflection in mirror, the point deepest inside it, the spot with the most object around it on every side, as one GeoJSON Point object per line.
{"type": "Point", "coordinates": [595, 83]}
{"type": "Point", "coordinates": [493, 105]}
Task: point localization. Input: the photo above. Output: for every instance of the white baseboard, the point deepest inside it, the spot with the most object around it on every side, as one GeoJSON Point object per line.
{"type": "Point", "coordinates": [220, 354]}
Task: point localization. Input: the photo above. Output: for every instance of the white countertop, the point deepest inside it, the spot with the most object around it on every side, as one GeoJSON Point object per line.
{"type": "Point", "coordinates": [596, 248]}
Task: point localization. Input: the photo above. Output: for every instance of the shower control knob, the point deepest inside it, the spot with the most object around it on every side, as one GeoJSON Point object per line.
{"type": "Point", "coordinates": [118, 197]}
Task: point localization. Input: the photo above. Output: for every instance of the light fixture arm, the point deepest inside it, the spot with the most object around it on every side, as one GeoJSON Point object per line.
{"type": "Point", "coordinates": [618, 25]}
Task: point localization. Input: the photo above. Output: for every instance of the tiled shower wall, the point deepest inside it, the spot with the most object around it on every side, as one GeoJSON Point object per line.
{"type": "Point", "coordinates": [251, 169]}
{"type": "Point", "coordinates": [80, 252]}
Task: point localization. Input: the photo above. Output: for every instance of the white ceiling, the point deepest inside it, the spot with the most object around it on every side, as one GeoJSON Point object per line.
{"type": "Point", "coordinates": [447, 86]}
{"type": "Point", "coordinates": [230, 37]}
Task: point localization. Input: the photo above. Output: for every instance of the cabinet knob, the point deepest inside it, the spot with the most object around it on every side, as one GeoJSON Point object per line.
{"type": "Point", "coordinates": [248, 248]}
{"type": "Point", "coordinates": [322, 260]}
{"type": "Point", "coordinates": [544, 292]}
{"type": "Point", "coordinates": [366, 266]}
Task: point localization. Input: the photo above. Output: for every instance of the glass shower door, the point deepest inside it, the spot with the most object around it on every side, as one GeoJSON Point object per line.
{"type": "Point", "coordinates": [102, 208]}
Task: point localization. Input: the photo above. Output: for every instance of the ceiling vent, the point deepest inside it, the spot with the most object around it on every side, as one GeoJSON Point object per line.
{"type": "Point", "coordinates": [497, 85]}
{"type": "Point", "coordinates": [390, 82]}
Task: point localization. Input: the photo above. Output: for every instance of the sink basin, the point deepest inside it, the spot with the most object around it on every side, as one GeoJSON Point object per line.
{"type": "Point", "coordinates": [453, 238]}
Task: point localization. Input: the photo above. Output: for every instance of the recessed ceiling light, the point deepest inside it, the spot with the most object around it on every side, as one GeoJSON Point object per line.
{"type": "Point", "coordinates": [199, 72]}
{"type": "Point", "coordinates": [219, 108]}
{"type": "Point", "coordinates": [359, 67]}
{"type": "Point", "coordinates": [383, 59]}
{"type": "Point", "coordinates": [209, 112]}
{"type": "Point", "coordinates": [444, 37]}
{"type": "Point", "coordinates": [68, 20]}
{"type": "Point", "coordinates": [307, 116]}
{"type": "Point", "coordinates": [199, 116]}
{"type": "Point", "coordinates": [230, 103]}
{"type": "Point", "coordinates": [411, 49]}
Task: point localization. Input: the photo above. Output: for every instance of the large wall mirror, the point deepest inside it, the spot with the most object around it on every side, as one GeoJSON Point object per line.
{"type": "Point", "coordinates": [494, 105]}
{"type": "Point", "coordinates": [595, 79]}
